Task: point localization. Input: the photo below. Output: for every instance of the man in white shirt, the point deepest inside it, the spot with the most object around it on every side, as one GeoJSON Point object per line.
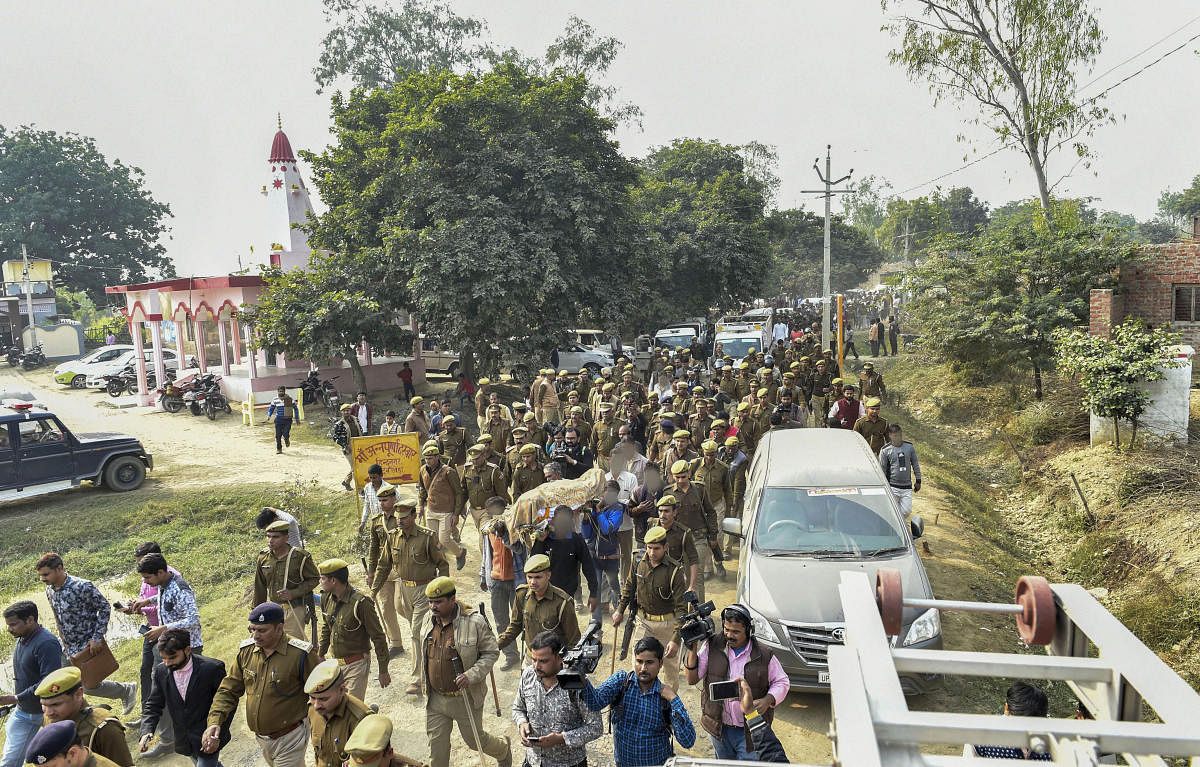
{"type": "Point", "coordinates": [618, 461]}
{"type": "Point", "coordinates": [780, 332]}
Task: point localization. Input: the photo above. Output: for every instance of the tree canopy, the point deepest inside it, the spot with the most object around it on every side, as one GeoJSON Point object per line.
{"type": "Point", "coordinates": [498, 200]}
{"type": "Point", "coordinates": [1018, 62]}
{"type": "Point", "coordinates": [94, 219]}
{"type": "Point", "coordinates": [708, 247]}
{"type": "Point", "coordinates": [798, 252]}
{"type": "Point", "coordinates": [991, 303]}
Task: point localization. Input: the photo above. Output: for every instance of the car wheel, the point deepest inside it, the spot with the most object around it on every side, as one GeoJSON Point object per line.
{"type": "Point", "coordinates": [124, 473]}
{"type": "Point", "coordinates": [79, 382]}
{"type": "Point", "coordinates": [452, 371]}
{"type": "Point", "coordinates": [592, 368]}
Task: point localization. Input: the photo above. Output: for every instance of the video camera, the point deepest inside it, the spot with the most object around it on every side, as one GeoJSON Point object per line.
{"type": "Point", "coordinates": [581, 660]}
{"type": "Point", "coordinates": [696, 625]}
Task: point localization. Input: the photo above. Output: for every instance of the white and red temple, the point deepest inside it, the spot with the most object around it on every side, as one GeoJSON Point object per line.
{"type": "Point", "coordinates": [205, 309]}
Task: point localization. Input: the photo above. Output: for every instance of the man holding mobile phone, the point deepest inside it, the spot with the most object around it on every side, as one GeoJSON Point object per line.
{"type": "Point", "coordinates": [731, 655]}
{"type": "Point", "coordinates": [555, 724]}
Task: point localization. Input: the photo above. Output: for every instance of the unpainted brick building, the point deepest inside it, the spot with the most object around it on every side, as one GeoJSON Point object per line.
{"type": "Point", "coordinates": [1163, 290]}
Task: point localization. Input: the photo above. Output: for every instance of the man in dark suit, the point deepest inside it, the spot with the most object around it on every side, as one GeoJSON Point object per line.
{"type": "Point", "coordinates": [184, 685]}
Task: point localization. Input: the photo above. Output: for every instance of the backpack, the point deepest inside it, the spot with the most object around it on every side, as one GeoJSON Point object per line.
{"type": "Point", "coordinates": [617, 709]}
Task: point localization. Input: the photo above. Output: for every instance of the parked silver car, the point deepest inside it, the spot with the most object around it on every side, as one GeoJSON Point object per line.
{"type": "Point", "coordinates": [818, 503]}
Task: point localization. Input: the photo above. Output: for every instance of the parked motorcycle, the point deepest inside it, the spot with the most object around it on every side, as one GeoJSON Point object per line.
{"type": "Point", "coordinates": [33, 358]}
{"type": "Point", "coordinates": [170, 396]}
{"type": "Point", "coordinates": [14, 355]}
{"type": "Point", "coordinates": [313, 389]}
{"type": "Point", "coordinates": [125, 381]}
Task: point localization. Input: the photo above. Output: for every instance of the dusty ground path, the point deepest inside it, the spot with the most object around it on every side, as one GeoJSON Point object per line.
{"type": "Point", "coordinates": [193, 452]}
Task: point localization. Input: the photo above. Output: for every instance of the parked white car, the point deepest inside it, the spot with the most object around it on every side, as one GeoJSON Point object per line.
{"type": "Point", "coordinates": [577, 356]}
{"type": "Point", "coordinates": [75, 372]}
{"type": "Point", "coordinates": [95, 376]}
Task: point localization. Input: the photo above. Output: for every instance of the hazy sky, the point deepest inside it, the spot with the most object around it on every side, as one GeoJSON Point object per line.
{"type": "Point", "coordinates": [189, 93]}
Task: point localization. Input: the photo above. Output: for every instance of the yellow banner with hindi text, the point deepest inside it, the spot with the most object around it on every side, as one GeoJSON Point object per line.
{"type": "Point", "coordinates": [398, 454]}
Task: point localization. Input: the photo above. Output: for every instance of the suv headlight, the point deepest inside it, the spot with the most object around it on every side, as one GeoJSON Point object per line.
{"type": "Point", "coordinates": [763, 628]}
{"type": "Point", "coordinates": [925, 627]}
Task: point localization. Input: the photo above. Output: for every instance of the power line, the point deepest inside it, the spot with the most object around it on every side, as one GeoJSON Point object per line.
{"type": "Point", "coordinates": [1174, 32]}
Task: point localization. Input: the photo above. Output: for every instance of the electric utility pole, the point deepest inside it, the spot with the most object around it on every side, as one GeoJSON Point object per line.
{"type": "Point", "coordinates": [828, 192]}
{"type": "Point", "coordinates": [28, 296]}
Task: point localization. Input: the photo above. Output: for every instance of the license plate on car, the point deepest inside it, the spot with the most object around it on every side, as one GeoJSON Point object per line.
{"type": "Point", "coordinates": [823, 677]}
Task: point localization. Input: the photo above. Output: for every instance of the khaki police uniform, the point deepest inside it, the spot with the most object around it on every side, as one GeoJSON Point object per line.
{"type": "Point", "coordinates": [453, 445]}
{"type": "Point", "coordinates": [276, 705]}
{"type": "Point", "coordinates": [98, 729]}
{"type": "Point", "coordinates": [717, 481]}
{"type": "Point", "coordinates": [698, 515]}
{"type": "Point", "coordinates": [294, 571]}
{"type": "Point", "coordinates": [555, 611]}
{"type": "Point", "coordinates": [387, 595]}
{"type": "Point", "coordinates": [416, 558]}
{"type": "Point", "coordinates": [440, 492]}
{"type": "Point", "coordinates": [525, 479]}
{"type": "Point", "coordinates": [604, 436]}
{"type": "Point", "coordinates": [330, 733]}
{"type": "Point", "coordinates": [350, 628]}
{"type": "Point", "coordinates": [657, 591]}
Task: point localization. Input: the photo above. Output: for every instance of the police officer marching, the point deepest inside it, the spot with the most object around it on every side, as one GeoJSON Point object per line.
{"type": "Point", "coordinates": [413, 553]}
{"type": "Point", "coordinates": [270, 670]}
{"type": "Point", "coordinates": [287, 576]}
{"type": "Point", "coordinates": [656, 586]}
{"type": "Point", "coordinates": [350, 627]}
{"type": "Point", "coordinates": [540, 606]}
{"type": "Point", "coordinates": [387, 595]}
{"type": "Point", "coordinates": [333, 713]}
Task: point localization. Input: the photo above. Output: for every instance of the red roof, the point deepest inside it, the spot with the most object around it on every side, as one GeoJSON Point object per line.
{"type": "Point", "coordinates": [193, 283]}
{"type": "Point", "coordinates": [281, 149]}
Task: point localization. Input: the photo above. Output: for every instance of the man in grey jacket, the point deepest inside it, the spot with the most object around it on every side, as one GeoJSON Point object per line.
{"type": "Point", "coordinates": [898, 459]}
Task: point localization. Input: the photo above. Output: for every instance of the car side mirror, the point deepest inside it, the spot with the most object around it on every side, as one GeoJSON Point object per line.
{"type": "Point", "coordinates": [732, 526]}
{"type": "Point", "coordinates": [917, 525]}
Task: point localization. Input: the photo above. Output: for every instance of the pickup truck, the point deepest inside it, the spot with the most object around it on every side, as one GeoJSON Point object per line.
{"type": "Point", "coordinates": [39, 455]}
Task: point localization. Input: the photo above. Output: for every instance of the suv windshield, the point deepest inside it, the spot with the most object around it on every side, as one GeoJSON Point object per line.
{"type": "Point", "coordinates": [820, 521]}
{"type": "Point", "coordinates": [737, 347]}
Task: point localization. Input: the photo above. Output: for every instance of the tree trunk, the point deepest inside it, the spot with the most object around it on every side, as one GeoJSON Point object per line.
{"type": "Point", "coordinates": [1133, 434]}
{"type": "Point", "coordinates": [1037, 382]}
{"type": "Point", "coordinates": [466, 363]}
{"type": "Point", "coordinates": [1117, 433]}
{"type": "Point", "coordinates": [360, 378]}
{"type": "Point", "coordinates": [1039, 170]}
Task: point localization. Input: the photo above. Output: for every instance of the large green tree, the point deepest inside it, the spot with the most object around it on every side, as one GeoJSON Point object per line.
{"type": "Point", "coordinates": [327, 309]}
{"type": "Point", "coordinates": [991, 303]}
{"type": "Point", "coordinates": [865, 207]}
{"type": "Point", "coordinates": [798, 251]}
{"type": "Point", "coordinates": [94, 219]}
{"type": "Point", "coordinates": [1015, 61]}
{"type": "Point", "coordinates": [708, 247]}
{"type": "Point", "coordinates": [499, 200]}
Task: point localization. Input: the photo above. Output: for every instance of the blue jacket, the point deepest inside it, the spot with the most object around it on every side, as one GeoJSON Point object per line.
{"type": "Point", "coordinates": [33, 658]}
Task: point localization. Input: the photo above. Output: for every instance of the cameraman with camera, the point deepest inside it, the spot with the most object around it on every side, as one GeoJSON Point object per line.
{"type": "Point", "coordinates": [732, 655]}
{"type": "Point", "coordinates": [554, 723]}
{"type": "Point", "coordinates": [573, 455]}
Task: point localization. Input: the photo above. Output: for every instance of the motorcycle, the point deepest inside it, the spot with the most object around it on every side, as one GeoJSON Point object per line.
{"type": "Point", "coordinates": [33, 358]}
{"type": "Point", "coordinates": [207, 397]}
{"type": "Point", "coordinates": [14, 355]}
{"type": "Point", "coordinates": [170, 396]}
{"type": "Point", "coordinates": [312, 389]}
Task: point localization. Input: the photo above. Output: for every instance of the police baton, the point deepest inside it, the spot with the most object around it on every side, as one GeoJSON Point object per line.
{"type": "Point", "coordinates": [457, 664]}
{"type": "Point", "coordinates": [492, 669]}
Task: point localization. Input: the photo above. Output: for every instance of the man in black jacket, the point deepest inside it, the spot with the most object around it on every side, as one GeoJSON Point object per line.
{"type": "Point", "coordinates": [569, 556]}
{"type": "Point", "coordinates": [199, 677]}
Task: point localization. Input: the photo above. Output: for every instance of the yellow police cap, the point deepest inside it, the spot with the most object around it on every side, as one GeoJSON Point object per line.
{"type": "Point", "coordinates": [598, 380]}
{"type": "Point", "coordinates": [449, 419]}
{"type": "Point", "coordinates": [795, 365]}
{"type": "Point", "coordinates": [520, 431]}
{"type": "Point", "coordinates": [743, 407]}
{"type": "Point", "coordinates": [681, 434]}
{"type": "Point", "coordinates": [606, 405]}
{"type": "Point", "coordinates": [836, 381]}
{"type": "Point", "coordinates": [667, 500]}
{"type": "Point", "coordinates": [529, 417]}
{"type": "Point", "coordinates": [873, 402]}
{"type": "Point", "coordinates": [417, 400]}
{"type": "Point", "coordinates": [537, 563]}
{"type": "Point", "coordinates": [668, 414]}
{"type": "Point", "coordinates": [59, 682]}
{"type": "Point", "coordinates": [868, 366]}
{"type": "Point", "coordinates": [731, 442]}
{"type": "Point", "coordinates": [609, 386]}
{"type": "Point", "coordinates": [484, 439]}
{"type": "Point", "coordinates": [656, 534]}
{"type": "Point", "coordinates": [709, 446]}
{"type": "Point", "coordinates": [344, 407]}
{"type": "Point", "coordinates": [372, 737]}
{"type": "Point", "coordinates": [719, 422]}
{"type": "Point", "coordinates": [697, 390]}
{"type": "Point", "coordinates": [564, 373]}
{"type": "Point", "coordinates": [519, 405]}
{"type": "Point", "coordinates": [789, 375]}
{"type": "Point", "coordinates": [278, 526]}
{"type": "Point", "coordinates": [325, 675]}
{"type": "Point", "coordinates": [440, 587]}
{"type": "Point", "coordinates": [430, 450]}
{"type": "Point", "coordinates": [679, 467]}
{"type": "Point", "coordinates": [751, 350]}
{"type": "Point", "coordinates": [827, 351]}
{"type": "Point", "coordinates": [387, 490]}
{"type": "Point", "coordinates": [762, 391]}
{"type": "Point", "coordinates": [577, 409]}
{"type": "Point", "coordinates": [669, 368]}
{"type": "Point", "coordinates": [528, 449]}
{"type": "Point", "coordinates": [804, 358]}
{"type": "Point", "coordinates": [484, 381]}
{"type": "Point", "coordinates": [474, 450]}
{"type": "Point", "coordinates": [332, 566]}
{"type": "Point", "coordinates": [582, 371]}
{"type": "Point", "coordinates": [743, 365]}
{"type": "Point", "coordinates": [406, 497]}
{"type": "Point", "coordinates": [822, 362]}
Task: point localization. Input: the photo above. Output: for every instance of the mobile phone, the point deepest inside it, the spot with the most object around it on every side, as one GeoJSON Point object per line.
{"type": "Point", "coordinates": [143, 629]}
{"type": "Point", "coordinates": [723, 690]}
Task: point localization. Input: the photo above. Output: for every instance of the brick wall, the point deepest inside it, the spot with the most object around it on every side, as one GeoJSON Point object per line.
{"type": "Point", "coordinates": [1147, 290]}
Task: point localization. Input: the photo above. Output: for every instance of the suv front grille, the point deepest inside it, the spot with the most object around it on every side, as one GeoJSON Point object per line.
{"type": "Point", "coordinates": [811, 643]}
